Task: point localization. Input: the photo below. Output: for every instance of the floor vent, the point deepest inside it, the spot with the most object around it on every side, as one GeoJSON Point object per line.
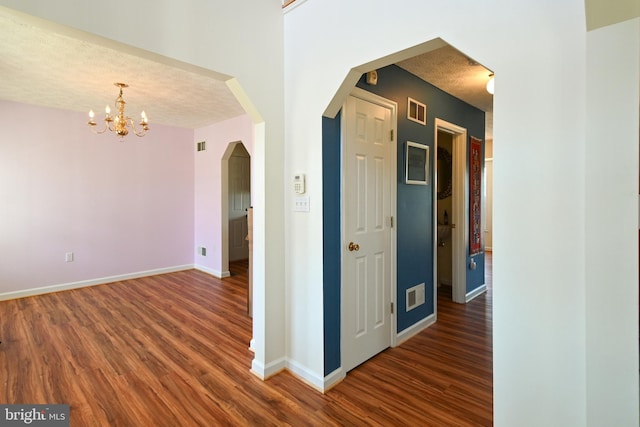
{"type": "Point", "coordinates": [415, 296]}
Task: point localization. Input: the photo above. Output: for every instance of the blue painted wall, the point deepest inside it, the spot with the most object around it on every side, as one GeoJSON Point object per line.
{"type": "Point", "coordinates": [331, 154]}
{"type": "Point", "coordinates": [414, 220]}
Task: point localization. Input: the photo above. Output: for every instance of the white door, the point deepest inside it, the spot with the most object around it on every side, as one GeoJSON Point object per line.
{"type": "Point", "coordinates": [239, 201]}
{"type": "Point", "coordinates": [368, 154]}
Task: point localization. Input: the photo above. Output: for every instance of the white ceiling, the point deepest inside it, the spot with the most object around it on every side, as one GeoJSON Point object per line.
{"type": "Point", "coordinates": [47, 64]}
{"type": "Point", "coordinates": [55, 66]}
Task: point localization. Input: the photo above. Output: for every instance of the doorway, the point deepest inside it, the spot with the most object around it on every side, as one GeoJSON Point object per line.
{"type": "Point", "coordinates": [239, 202]}
{"type": "Point", "coordinates": [368, 206]}
{"type": "Point", "coordinates": [451, 210]}
{"type": "Point", "coordinates": [235, 201]}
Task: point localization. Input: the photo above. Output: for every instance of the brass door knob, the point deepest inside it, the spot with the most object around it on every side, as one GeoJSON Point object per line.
{"type": "Point", "coordinates": [354, 246]}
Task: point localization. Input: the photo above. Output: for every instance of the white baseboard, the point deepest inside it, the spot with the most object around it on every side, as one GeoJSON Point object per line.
{"type": "Point", "coordinates": [476, 292]}
{"type": "Point", "coordinates": [306, 375]}
{"type": "Point", "coordinates": [270, 369]}
{"type": "Point", "coordinates": [333, 379]}
{"type": "Point", "coordinates": [301, 372]}
{"type": "Point", "coordinates": [215, 273]}
{"type": "Point", "coordinates": [415, 329]}
{"type": "Point", "coordinates": [91, 282]}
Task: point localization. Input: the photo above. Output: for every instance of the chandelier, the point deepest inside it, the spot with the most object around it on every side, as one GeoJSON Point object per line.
{"type": "Point", "coordinates": [120, 123]}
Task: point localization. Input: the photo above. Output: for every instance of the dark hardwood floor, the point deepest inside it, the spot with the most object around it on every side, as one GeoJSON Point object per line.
{"type": "Point", "coordinates": [171, 350]}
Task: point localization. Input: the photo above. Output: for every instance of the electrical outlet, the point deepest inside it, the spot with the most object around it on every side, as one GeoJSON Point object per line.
{"type": "Point", "coordinates": [68, 257]}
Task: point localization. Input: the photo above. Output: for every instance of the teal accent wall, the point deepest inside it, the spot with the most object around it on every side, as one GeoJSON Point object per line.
{"type": "Point", "coordinates": [414, 221]}
{"type": "Point", "coordinates": [331, 154]}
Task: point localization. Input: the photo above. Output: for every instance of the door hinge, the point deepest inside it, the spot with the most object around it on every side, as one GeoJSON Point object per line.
{"type": "Point", "coordinates": [391, 308]}
{"type": "Point", "coordinates": [391, 135]}
{"type": "Point", "coordinates": [391, 218]}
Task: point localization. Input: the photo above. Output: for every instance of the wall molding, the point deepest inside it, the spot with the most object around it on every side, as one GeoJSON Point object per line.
{"type": "Point", "coordinates": [333, 379]}
{"type": "Point", "coordinates": [91, 282]}
{"type": "Point", "coordinates": [215, 273]}
{"type": "Point", "coordinates": [415, 329]}
{"type": "Point", "coordinates": [306, 375]}
{"type": "Point", "coordinates": [476, 292]}
{"type": "Point", "coordinates": [270, 369]}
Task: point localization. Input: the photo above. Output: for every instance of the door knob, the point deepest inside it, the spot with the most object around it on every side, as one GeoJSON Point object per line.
{"type": "Point", "coordinates": [354, 247]}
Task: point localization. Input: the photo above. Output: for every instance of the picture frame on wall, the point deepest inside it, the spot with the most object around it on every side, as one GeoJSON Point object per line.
{"type": "Point", "coordinates": [416, 163]}
{"type": "Point", "coordinates": [416, 111]}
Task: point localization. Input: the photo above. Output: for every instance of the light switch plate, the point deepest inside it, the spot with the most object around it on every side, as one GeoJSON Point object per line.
{"type": "Point", "coordinates": [301, 204]}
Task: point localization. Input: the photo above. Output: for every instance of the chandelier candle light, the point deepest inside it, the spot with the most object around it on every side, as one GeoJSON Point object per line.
{"type": "Point", "coordinates": [120, 124]}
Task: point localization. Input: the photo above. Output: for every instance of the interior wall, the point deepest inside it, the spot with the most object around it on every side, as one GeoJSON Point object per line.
{"type": "Point", "coordinates": [613, 103]}
{"type": "Point", "coordinates": [120, 207]}
{"type": "Point", "coordinates": [209, 225]}
{"type": "Point", "coordinates": [537, 50]}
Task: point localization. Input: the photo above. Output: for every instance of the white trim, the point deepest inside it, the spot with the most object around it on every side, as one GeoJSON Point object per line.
{"type": "Point", "coordinates": [476, 292]}
{"type": "Point", "coordinates": [333, 379]}
{"type": "Point", "coordinates": [270, 369]}
{"type": "Point", "coordinates": [306, 375]}
{"type": "Point", "coordinates": [416, 328]}
{"type": "Point", "coordinates": [91, 282]}
{"type": "Point", "coordinates": [215, 273]}
{"type": "Point", "coordinates": [460, 217]}
{"type": "Point", "coordinates": [292, 6]}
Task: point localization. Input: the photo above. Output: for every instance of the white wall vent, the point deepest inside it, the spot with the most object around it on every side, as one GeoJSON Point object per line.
{"type": "Point", "coordinates": [415, 296]}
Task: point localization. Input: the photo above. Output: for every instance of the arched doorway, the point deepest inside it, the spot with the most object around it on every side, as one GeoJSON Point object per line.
{"type": "Point", "coordinates": [235, 202]}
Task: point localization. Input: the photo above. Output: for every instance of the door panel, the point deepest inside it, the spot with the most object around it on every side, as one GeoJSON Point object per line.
{"type": "Point", "coordinates": [366, 285]}
{"type": "Point", "coordinates": [239, 202]}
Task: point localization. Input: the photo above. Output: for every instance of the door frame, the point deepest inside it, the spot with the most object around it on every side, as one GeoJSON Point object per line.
{"type": "Point", "coordinates": [393, 174]}
{"type": "Point", "coordinates": [460, 214]}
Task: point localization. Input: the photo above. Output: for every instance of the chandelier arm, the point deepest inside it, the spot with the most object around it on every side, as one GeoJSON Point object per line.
{"type": "Point", "coordinates": [142, 132]}
{"type": "Point", "coordinates": [98, 132]}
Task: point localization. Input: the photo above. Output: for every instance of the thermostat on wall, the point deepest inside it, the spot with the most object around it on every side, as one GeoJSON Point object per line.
{"type": "Point", "coordinates": [298, 183]}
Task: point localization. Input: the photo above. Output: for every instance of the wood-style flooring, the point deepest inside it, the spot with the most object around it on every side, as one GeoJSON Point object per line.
{"type": "Point", "coordinates": [171, 350]}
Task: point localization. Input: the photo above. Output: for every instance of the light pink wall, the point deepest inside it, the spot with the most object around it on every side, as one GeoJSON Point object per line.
{"type": "Point", "coordinates": [121, 207]}
{"type": "Point", "coordinates": [208, 189]}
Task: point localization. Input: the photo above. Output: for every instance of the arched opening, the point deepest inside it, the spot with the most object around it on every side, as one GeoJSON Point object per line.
{"type": "Point", "coordinates": [414, 301]}
{"type": "Point", "coordinates": [236, 202]}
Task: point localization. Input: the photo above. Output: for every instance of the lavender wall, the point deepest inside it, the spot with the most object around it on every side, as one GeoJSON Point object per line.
{"type": "Point", "coordinates": [208, 189]}
{"type": "Point", "coordinates": [122, 208]}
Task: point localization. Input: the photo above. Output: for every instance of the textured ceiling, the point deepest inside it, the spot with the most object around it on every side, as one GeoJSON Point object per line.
{"type": "Point", "coordinates": [46, 64]}
{"type": "Point", "coordinates": [68, 69]}
{"type": "Point", "coordinates": [451, 71]}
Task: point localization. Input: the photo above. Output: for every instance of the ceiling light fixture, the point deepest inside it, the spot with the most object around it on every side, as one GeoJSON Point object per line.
{"type": "Point", "coordinates": [490, 84]}
{"type": "Point", "coordinates": [120, 124]}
